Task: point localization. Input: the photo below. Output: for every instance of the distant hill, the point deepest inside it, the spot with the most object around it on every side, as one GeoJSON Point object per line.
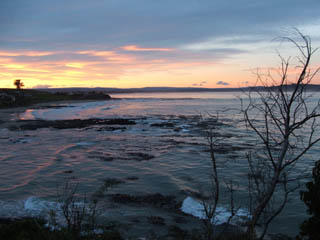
{"type": "Point", "coordinates": [310, 87]}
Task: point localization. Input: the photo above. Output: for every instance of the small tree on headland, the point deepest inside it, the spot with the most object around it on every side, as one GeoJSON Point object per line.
{"type": "Point", "coordinates": [287, 126]}
{"type": "Point", "coordinates": [18, 83]}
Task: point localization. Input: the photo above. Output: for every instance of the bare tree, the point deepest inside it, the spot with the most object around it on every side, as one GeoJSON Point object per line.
{"type": "Point", "coordinates": [285, 123]}
{"type": "Point", "coordinates": [18, 83]}
{"type": "Point", "coordinates": [210, 203]}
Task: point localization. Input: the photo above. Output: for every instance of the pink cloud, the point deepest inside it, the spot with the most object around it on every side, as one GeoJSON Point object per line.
{"type": "Point", "coordinates": [135, 48]}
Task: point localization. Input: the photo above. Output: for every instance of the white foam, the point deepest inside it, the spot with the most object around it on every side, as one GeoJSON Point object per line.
{"type": "Point", "coordinates": [196, 208]}
{"type": "Point", "coordinates": [37, 206]}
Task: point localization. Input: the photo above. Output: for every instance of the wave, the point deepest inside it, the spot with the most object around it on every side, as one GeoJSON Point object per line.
{"type": "Point", "coordinates": [196, 208]}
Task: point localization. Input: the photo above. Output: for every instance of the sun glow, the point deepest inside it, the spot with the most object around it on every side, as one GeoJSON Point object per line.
{"type": "Point", "coordinates": [127, 67]}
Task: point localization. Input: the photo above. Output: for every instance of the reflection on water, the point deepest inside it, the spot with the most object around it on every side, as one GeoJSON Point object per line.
{"type": "Point", "coordinates": [165, 151]}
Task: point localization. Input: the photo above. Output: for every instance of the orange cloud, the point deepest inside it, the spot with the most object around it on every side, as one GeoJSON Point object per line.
{"type": "Point", "coordinates": [116, 68]}
{"type": "Point", "coordinates": [97, 53]}
{"type": "Point", "coordinates": [75, 65]}
{"type": "Point", "coordinates": [135, 48]}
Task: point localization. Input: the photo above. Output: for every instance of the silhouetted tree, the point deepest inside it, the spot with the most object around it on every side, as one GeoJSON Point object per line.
{"type": "Point", "coordinates": [310, 228]}
{"type": "Point", "coordinates": [286, 126]}
{"type": "Point", "coordinates": [18, 83]}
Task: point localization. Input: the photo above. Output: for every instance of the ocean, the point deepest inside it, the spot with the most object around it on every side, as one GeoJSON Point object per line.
{"type": "Point", "coordinates": [165, 152]}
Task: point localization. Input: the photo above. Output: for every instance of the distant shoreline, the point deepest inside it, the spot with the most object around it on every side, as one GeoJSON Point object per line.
{"type": "Point", "coordinates": [25, 97]}
{"type": "Point", "coordinates": [309, 87]}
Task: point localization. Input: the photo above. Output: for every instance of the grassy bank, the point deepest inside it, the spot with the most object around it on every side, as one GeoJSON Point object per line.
{"type": "Point", "coordinates": [18, 98]}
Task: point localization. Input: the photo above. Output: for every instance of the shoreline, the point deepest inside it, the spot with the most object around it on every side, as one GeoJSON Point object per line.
{"type": "Point", "coordinates": [12, 114]}
{"type": "Point", "coordinates": [10, 98]}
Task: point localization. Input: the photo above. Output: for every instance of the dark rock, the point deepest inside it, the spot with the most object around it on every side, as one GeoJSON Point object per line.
{"type": "Point", "coordinates": [175, 232]}
{"type": "Point", "coordinates": [140, 156]}
{"type": "Point", "coordinates": [107, 159]}
{"type": "Point", "coordinates": [226, 149]}
{"type": "Point", "coordinates": [132, 178]}
{"type": "Point", "coordinates": [180, 219]}
{"type": "Point", "coordinates": [68, 171]}
{"type": "Point", "coordinates": [64, 124]}
{"type": "Point", "coordinates": [109, 182]}
{"type": "Point", "coordinates": [156, 220]}
{"type": "Point", "coordinates": [209, 124]}
{"type": "Point", "coordinates": [52, 106]}
{"type": "Point", "coordinates": [110, 129]}
{"type": "Point", "coordinates": [279, 236]}
{"type": "Point", "coordinates": [165, 124]}
{"type": "Point", "coordinates": [230, 231]}
{"type": "Point", "coordinates": [156, 200]}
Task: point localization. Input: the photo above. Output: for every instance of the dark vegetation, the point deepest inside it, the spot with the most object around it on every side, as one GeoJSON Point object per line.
{"type": "Point", "coordinates": [36, 229]}
{"type": "Point", "coordinates": [310, 228]}
{"type": "Point", "coordinates": [18, 83]}
{"type": "Point", "coordinates": [25, 97]}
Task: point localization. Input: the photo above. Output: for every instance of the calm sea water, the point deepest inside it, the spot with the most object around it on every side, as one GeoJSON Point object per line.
{"type": "Point", "coordinates": [34, 163]}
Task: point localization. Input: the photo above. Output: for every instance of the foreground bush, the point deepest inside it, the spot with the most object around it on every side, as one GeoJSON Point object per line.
{"type": "Point", "coordinates": [309, 229]}
{"type": "Point", "coordinates": [36, 229]}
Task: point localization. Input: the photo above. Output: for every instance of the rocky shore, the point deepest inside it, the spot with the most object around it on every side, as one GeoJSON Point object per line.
{"type": "Point", "coordinates": [25, 97]}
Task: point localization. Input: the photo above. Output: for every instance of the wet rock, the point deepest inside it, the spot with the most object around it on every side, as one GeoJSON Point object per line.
{"type": "Point", "coordinates": [227, 149]}
{"type": "Point", "coordinates": [138, 156]}
{"type": "Point", "coordinates": [156, 220]}
{"type": "Point", "coordinates": [111, 129]}
{"type": "Point", "coordinates": [210, 124]}
{"type": "Point", "coordinates": [188, 178]}
{"type": "Point", "coordinates": [132, 178]}
{"type": "Point", "coordinates": [173, 141]}
{"type": "Point", "coordinates": [68, 171]}
{"type": "Point", "coordinates": [163, 125]}
{"type": "Point", "coordinates": [52, 106]}
{"type": "Point", "coordinates": [279, 236]}
{"type": "Point", "coordinates": [230, 231]}
{"type": "Point", "coordinates": [106, 158]}
{"type": "Point", "coordinates": [64, 124]}
{"type": "Point", "coordinates": [155, 200]}
{"type": "Point", "coordinates": [180, 219]}
{"type": "Point", "coordinates": [112, 182]}
{"type": "Point", "coordinates": [175, 232]}
{"type": "Point", "coordinates": [92, 95]}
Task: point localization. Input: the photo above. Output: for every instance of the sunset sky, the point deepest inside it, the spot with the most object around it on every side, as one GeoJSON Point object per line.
{"type": "Point", "coordinates": [148, 43]}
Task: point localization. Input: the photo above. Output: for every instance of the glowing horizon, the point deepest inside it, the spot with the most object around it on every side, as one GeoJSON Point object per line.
{"type": "Point", "coordinates": [127, 45]}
